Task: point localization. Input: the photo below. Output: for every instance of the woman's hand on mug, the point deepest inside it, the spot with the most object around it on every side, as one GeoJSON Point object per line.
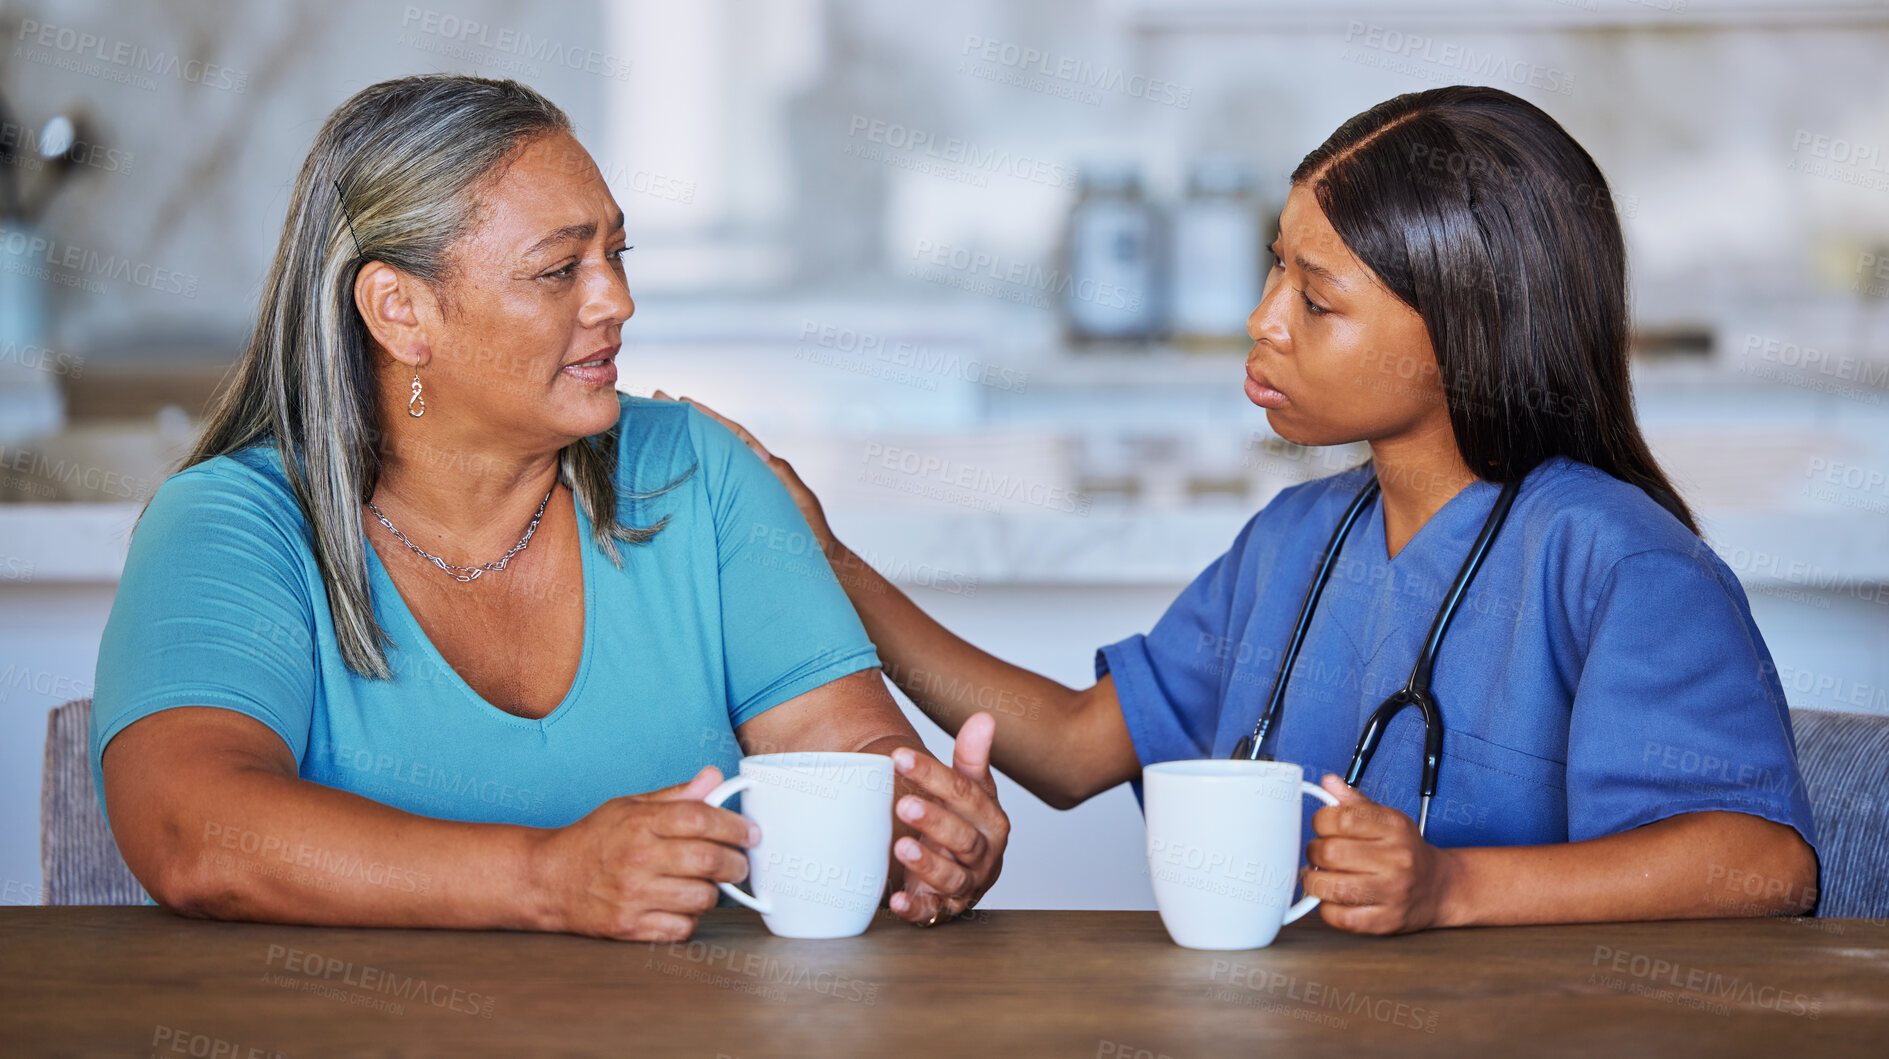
{"type": "Point", "coordinates": [964, 831]}
{"type": "Point", "coordinates": [643, 867]}
{"type": "Point", "coordinates": [804, 499]}
{"type": "Point", "coordinates": [1374, 873]}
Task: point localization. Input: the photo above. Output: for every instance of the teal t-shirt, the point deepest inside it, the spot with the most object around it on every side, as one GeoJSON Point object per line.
{"type": "Point", "coordinates": [728, 611]}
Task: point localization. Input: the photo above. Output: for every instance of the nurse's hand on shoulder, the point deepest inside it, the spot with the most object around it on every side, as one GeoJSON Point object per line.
{"type": "Point", "coordinates": [642, 867]}
{"type": "Point", "coordinates": [804, 499]}
{"type": "Point", "coordinates": [1375, 874]}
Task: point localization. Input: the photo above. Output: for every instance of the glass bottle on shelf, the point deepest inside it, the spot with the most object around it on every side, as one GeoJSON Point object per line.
{"type": "Point", "coordinates": [1110, 291]}
{"type": "Point", "coordinates": [1218, 245]}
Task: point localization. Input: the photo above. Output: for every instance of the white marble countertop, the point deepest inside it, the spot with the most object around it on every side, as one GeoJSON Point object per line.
{"type": "Point", "coordinates": [958, 550]}
{"type": "Point", "coordinates": [1764, 457]}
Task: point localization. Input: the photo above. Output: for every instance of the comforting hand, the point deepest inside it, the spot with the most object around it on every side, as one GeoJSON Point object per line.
{"type": "Point", "coordinates": [643, 867]}
{"type": "Point", "coordinates": [964, 830]}
{"type": "Point", "coordinates": [1374, 873]}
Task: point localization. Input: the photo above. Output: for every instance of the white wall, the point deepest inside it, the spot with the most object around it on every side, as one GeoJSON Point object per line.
{"type": "Point", "coordinates": [207, 164]}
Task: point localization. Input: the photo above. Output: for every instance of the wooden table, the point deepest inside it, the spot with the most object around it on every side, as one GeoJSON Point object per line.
{"type": "Point", "coordinates": [1095, 985]}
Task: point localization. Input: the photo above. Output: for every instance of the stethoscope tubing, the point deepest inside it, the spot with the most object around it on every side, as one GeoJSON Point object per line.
{"type": "Point", "coordinates": [1416, 690]}
{"type": "Point", "coordinates": [1306, 610]}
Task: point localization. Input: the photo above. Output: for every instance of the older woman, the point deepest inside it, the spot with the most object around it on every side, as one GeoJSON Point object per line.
{"type": "Point", "coordinates": [431, 603]}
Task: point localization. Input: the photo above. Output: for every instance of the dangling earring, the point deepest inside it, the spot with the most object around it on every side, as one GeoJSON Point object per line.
{"type": "Point", "coordinates": [416, 405]}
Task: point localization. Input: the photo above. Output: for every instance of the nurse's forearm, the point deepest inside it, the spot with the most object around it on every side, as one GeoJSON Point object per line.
{"type": "Point", "coordinates": [1705, 865]}
{"type": "Point", "coordinates": [1052, 739]}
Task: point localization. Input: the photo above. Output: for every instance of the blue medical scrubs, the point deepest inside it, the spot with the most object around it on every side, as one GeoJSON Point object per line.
{"type": "Point", "coordinates": [1604, 672]}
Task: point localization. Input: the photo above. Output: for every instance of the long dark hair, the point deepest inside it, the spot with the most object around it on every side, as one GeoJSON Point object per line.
{"type": "Point", "coordinates": [1479, 211]}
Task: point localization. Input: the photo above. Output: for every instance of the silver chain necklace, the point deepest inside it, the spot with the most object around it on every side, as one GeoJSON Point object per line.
{"type": "Point", "coordinates": [471, 572]}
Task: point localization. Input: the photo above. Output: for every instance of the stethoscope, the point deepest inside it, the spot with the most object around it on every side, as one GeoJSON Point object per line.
{"type": "Point", "coordinates": [1416, 691]}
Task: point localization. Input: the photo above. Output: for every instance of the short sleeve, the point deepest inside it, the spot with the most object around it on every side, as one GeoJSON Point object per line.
{"type": "Point", "coordinates": [213, 610]}
{"type": "Point", "coordinates": [1169, 681]}
{"type": "Point", "coordinates": [787, 626]}
{"type": "Point", "coordinates": [1678, 708]}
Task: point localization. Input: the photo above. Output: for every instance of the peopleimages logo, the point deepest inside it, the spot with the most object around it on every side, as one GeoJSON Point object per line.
{"type": "Point", "coordinates": [31, 150]}
{"type": "Point", "coordinates": [759, 972]}
{"type": "Point", "coordinates": [73, 265]}
{"type": "Point", "coordinates": [1063, 75]}
{"type": "Point", "coordinates": [1012, 280]}
{"type": "Point", "coordinates": [911, 362]}
{"type": "Point", "coordinates": [466, 32]}
{"type": "Point", "coordinates": [300, 855]}
{"type": "Point", "coordinates": [1418, 55]}
{"type": "Point", "coordinates": [446, 780]}
{"type": "Point", "coordinates": [898, 139]}
{"type": "Point", "coordinates": [170, 1040]}
{"type": "Point", "coordinates": [982, 487]}
{"type": "Point", "coordinates": [40, 358]}
{"type": "Point", "coordinates": [1696, 986]}
{"type": "Point", "coordinates": [317, 970]}
{"type": "Point", "coordinates": [112, 59]}
{"type": "Point", "coordinates": [1257, 980]}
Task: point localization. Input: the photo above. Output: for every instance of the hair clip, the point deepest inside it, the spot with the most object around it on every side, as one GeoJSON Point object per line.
{"type": "Point", "coordinates": [344, 216]}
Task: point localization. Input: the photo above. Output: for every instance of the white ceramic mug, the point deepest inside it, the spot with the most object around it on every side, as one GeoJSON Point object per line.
{"type": "Point", "coordinates": [1223, 848]}
{"type": "Point", "coordinates": [826, 836]}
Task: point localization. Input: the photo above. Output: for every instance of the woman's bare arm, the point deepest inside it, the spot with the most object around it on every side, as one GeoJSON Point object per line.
{"type": "Point", "coordinates": [213, 820]}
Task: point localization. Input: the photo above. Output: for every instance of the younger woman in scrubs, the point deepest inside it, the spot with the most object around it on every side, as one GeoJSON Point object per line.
{"type": "Point", "coordinates": [1448, 287]}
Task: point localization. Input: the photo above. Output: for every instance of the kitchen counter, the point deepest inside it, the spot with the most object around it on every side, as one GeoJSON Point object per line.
{"type": "Point", "coordinates": [1848, 550]}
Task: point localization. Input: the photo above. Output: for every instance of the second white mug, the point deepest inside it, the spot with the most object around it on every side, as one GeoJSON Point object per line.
{"type": "Point", "coordinates": [1223, 848]}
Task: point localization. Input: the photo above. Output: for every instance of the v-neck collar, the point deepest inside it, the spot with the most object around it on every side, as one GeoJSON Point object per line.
{"type": "Point", "coordinates": [397, 607]}
{"type": "Point", "coordinates": [1431, 558]}
{"type": "Point", "coordinates": [1378, 539]}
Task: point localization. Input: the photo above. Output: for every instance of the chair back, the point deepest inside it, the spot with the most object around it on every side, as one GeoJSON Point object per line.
{"type": "Point", "coordinates": [1844, 759]}
{"type": "Point", "coordinates": [78, 858]}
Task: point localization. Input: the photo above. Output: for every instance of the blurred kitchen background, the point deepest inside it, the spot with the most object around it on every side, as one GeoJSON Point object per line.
{"type": "Point", "coordinates": [980, 269]}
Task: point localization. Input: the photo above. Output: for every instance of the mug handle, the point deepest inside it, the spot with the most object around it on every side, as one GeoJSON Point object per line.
{"type": "Point", "coordinates": [1308, 902]}
{"type": "Point", "coordinates": [728, 790]}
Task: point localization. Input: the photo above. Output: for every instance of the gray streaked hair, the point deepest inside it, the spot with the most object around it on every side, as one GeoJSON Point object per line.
{"type": "Point", "coordinates": [409, 156]}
